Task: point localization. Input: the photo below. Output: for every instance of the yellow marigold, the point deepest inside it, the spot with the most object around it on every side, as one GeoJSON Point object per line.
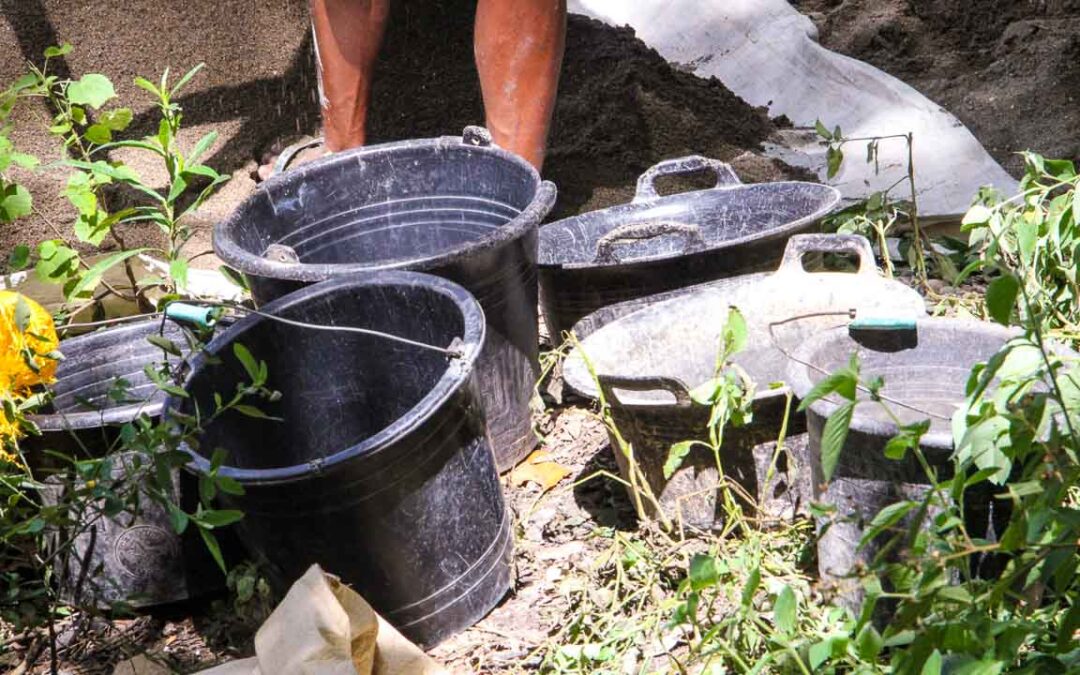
{"type": "Point", "coordinates": [18, 346]}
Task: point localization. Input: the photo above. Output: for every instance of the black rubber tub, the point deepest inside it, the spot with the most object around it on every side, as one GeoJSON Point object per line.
{"type": "Point", "coordinates": [656, 243]}
{"type": "Point", "coordinates": [649, 353]}
{"type": "Point", "coordinates": [378, 467]}
{"type": "Point", "coordinates": [925, 371]}
{"type": "Point", "coordinates": [142, 561]}
{"type": "Point", "coordinates": [459, 208]}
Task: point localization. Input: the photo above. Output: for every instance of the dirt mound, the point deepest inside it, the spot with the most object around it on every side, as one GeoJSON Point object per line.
{"type": "Point", "coordinates": [621, 106]}
{"type": "Point", "coordinates": [1008, 69]}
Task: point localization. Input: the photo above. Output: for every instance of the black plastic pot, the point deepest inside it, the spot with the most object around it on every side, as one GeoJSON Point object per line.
{"type": "Point", "coordinates": [378, 467]}
{"type": "Point", "coordinates": [925, 371]}
{"type": "Point", "coordinates": [143, 562]}
{"type": "Point", "coordinates": [649, 353]}
{"type": "Point", "coordinates": [656, 244]}
{"type": "Point", "coordinates": [459, 208]}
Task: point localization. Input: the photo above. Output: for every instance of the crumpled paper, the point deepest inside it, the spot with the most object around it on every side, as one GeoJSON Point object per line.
{"type": "Point", "coordinates": [323, 627]}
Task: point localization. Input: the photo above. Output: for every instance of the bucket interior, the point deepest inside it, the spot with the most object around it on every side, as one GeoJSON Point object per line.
{"type": "Point", "coordinates": [106, 370]}
{"type": "Point", "coordinates": [925, 372]}
{"type": "Point", "coordinates": [337, 389]}
{"type": "Point", "coordinates": [394, 204]}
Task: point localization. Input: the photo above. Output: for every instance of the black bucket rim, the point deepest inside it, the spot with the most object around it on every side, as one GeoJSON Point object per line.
{"type": "Point", "coordinates": [799, 380]}
{"type": "Point", "coordinates": [453, 378]}
{"type": "Point", "coordinates": [88, 419]}
{"type": "Point", "coordinates": [619, 210]}
{"type": "Point", "coordinates": [239, 258]}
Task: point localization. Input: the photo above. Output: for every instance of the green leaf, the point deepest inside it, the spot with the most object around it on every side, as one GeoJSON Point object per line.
{"type": "Point", "coordinates": [149, 86]}
{"type": "Point", "coordinates": [204, 144]}
{"type": "Point", "coordinates": [22, 314]}
{"type": "Point", "coordinates": [751, 587]}
{"type": "Point", "coordinates": [19, 257]}
{"type": "Point", "coordinates": [93, 90]}
{"type": "Point", "coordinates": [219, 518]}
{"type": "Point", "coordinates": [178, 271]}
{"type": "Point", "coordinates": [703, 572]}
{"type": "Point", "coordinates": [834, 157]}
{"type": "Point", "coordinates": [55, 262]}
{"type": "Point", "coordinates": [819, 653]}
{"type": "Point", "coordinates": [92, 277]}
{"type": "Point", "coordinates": [185, 79]}
{"type": "Point", "coordinates": [116, 120]}
{"type": "Point", "coordinates": [247, 360]}
{"type": "Point", "coordinates": [251, 411]}
{"type": "Point", "coordinates": [229, 485]}
{"type": "Point", "coordinates": [868, 643]}
{"type": "Point", "coordinates": [785, 610]}
{"type": "Point", "coordinates": [676, 455]}
{"type": "Point", "coordinates": [1001, 297]}
{"type": "Point", "coordinates": [932, 666]}
{"type": "Point", "coordinates": [843, 382]}
{"type": "Point", "coordinates": [212, 545]}
{"type": "Point", "coordinates": [165, 344]}
{"type": "Point", "coordinates": [15, 202]}
{"type": "Point", "coordinates": [976, 215]}
{"type": "Point", "coordinates": [735, 332]}
{"type": "Point", "coordinates": [886, 518]}
{"type": "Point", "coordinates": [822, 130]}
{"type": "Point", "coordinates": [235, 278]}
{"type": "Point", "coordinates": [1070, 623]}
{"type": "Point", "coordinates": [178, 518]}
{"type": "Point", "coordinates": [62, 50]}
{"type": "Point", "coordinates": [833, 436]}
{"type": "Point", "coordinates": [98, 134]}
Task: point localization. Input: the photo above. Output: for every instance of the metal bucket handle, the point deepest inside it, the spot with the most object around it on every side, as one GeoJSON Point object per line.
{"type": "Point", "coordinates": [674, 386]}
{"type": "Point", "coordinates": [646, 182]}
{"type": "Point", "coordinates": [801, 244]}
{"type": "Point", "coordinates": [605, 245]}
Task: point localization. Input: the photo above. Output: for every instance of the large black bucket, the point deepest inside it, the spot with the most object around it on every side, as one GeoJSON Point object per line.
{"type": "Point", "coordinates": [459, 208]}
{"type": "Point", "coordinates": [660, 243]}
{"type": "Point", "coordinates": [925, 372]}
{"type": "Point", "coordinates": [100, 386]}
{"type": "Point", "coordinates": [379, 468]}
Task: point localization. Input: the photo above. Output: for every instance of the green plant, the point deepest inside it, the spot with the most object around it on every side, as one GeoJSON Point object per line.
{"type": "Point", "coordinates": [39, 537]}
{"type": "Point", "coordinates": [87, 128]}
{"type": "Point", "coordinates": [1028, 246]}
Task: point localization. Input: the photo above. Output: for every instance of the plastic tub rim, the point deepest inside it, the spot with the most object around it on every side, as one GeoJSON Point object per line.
{"type": "Point", "coordinates": [452, 379]}
{"type": "Point", "coordinates": [236, 256]}
{"type": "Point", "coordinates": [617, 211]}
{"type": "Point", "coordinates": [798, 378]}
{"type": "Point", "coordinates": [79, 420]}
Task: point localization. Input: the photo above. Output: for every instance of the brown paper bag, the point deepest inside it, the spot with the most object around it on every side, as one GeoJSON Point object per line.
{"type": "Point", "coordinates": [323, 627]}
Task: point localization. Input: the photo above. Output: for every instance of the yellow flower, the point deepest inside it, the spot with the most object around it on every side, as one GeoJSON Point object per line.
{"type": "Point", "coordinates": [18, 346]}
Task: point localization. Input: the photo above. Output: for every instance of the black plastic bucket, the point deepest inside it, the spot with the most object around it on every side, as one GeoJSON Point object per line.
{"type": "Point", "coordinates": [925, 372]}
{"type": "Point", "coordinates": [459, 208]}
{"type": "Point", "coordinates": [143, 562]}
{"type": "Point", "coordinates": [660, 243]}
{"type": "Point", "coordinates": [379, 469]}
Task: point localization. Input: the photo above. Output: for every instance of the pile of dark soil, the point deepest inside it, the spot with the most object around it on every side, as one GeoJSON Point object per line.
{"type": "Point", "coordinates": [621, 106]}
{"type": "Point", "coordinates": [1008, 69]}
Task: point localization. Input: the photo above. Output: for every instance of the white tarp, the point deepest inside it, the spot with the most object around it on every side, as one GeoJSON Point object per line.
{"type": "Point", "coordinates": [767, 53]}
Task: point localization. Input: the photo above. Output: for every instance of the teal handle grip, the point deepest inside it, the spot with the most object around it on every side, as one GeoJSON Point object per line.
{"type": "Point", "coordinates": [200, 316]}
{"type": "Point", "coordinates": [880, 323]}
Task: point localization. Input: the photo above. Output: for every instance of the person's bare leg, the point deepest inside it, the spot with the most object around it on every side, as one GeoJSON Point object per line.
{"type": "Point", "coordinates": [519, 50]}
{"type": "Point", "coordinates": [348, 34]}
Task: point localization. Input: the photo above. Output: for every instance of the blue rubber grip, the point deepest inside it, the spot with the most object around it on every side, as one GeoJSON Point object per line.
{"type": "Point", "coordinates": [878, 323]}
{"type": "Point", "coordinates": [185, 313]}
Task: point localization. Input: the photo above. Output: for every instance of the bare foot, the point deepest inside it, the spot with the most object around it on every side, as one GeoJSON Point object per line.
{"type": "Point", "coordinates": [299, 155]}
